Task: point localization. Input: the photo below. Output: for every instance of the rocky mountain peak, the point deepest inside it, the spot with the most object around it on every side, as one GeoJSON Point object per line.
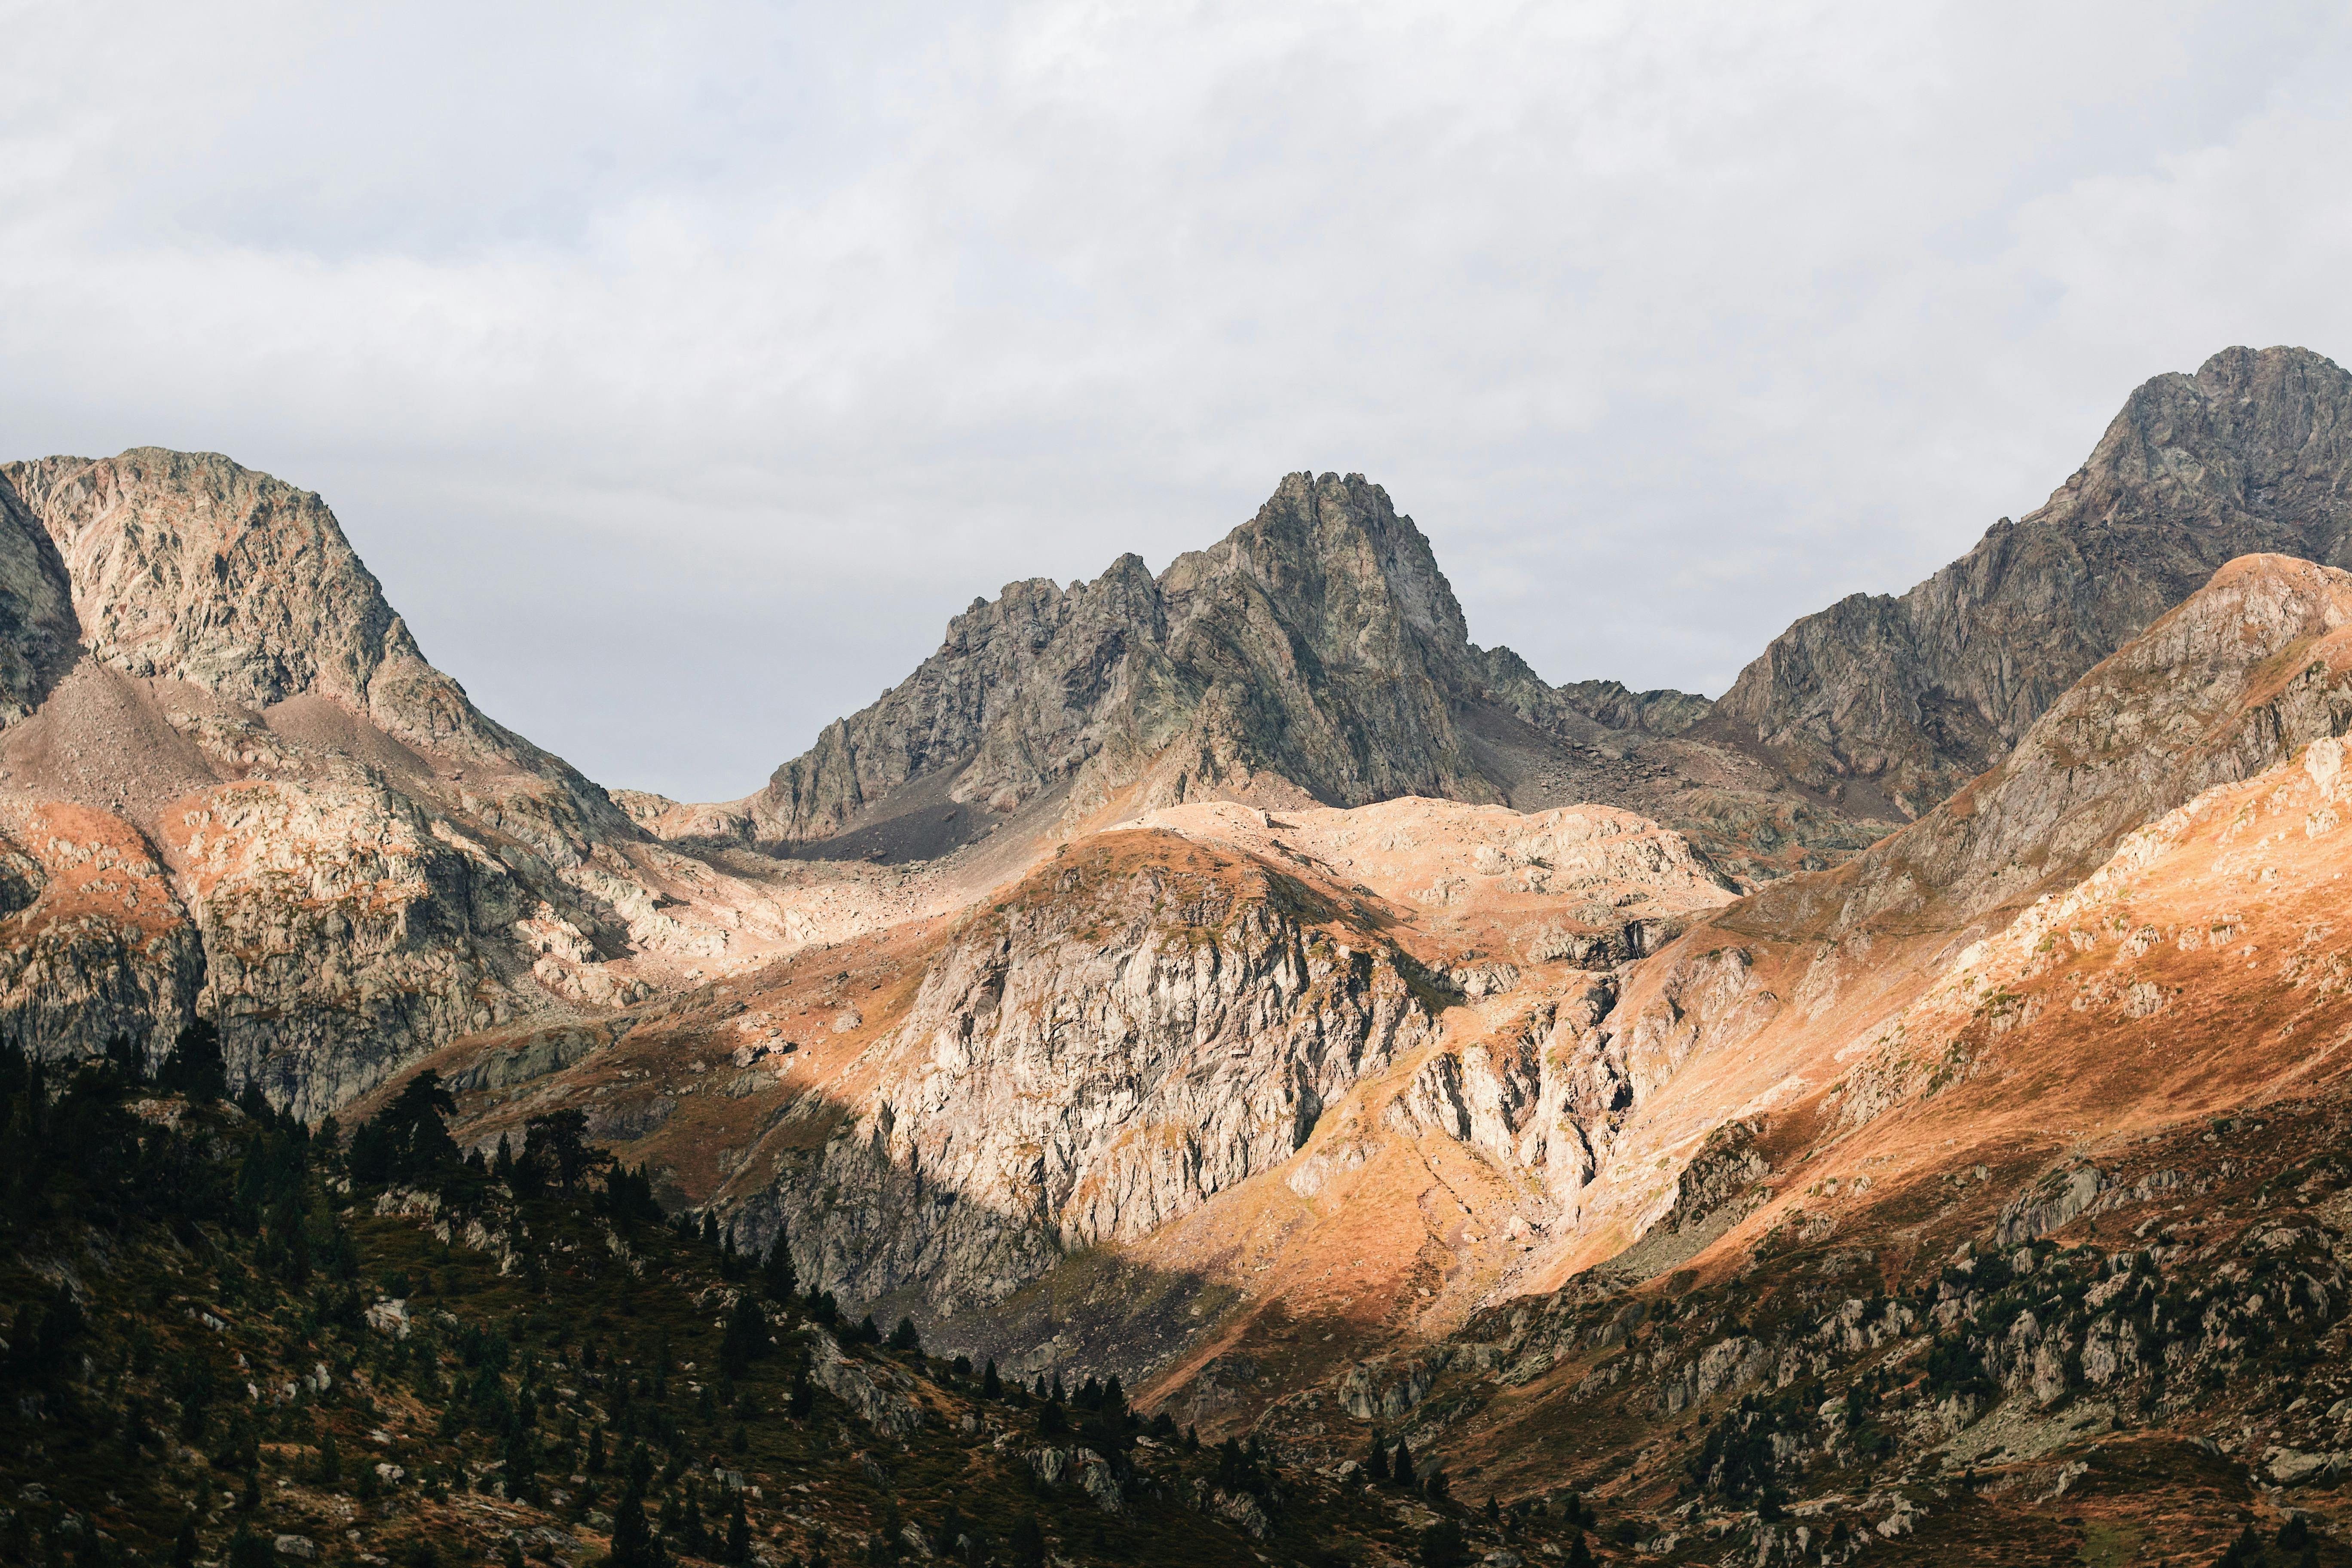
{"type": "Point", "coordinates": [2250, 454]}
{"type": "Point", "coordinates": [187, 566]}
{"type": "Point", "coordinates": [1317, 649]}
{"type": "Point", "coordinates": [1333, 551]}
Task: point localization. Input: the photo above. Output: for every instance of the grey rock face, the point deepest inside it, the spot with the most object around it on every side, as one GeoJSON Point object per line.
{"type": "Point", "coordinates": [2253, 453]}
{"type": "Point", "coordinates": [1140, 1026]}
{"type": "Point", "coordinates": [1595, 711]}
{"type": "Point", "coordinates": [186, 567]}
{"type": "Point", "coordinates": [37, 617]}
{"type": "Point", "coordinates": [1320, 643]}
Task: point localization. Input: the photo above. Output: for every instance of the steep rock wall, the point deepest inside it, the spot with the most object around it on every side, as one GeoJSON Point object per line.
{"type": "Point", "coordinates": [1140, 1026]}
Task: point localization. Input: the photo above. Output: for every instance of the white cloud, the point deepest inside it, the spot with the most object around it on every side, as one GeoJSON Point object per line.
{"type": "Point", "coordinates": [681, 372]}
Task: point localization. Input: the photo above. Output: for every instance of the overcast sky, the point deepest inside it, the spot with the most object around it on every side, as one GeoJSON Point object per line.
{"type": "Point", "coordinates": [681, 369]}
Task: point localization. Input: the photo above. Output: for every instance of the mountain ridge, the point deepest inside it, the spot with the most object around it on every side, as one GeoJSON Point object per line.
{"type": "Point", "coordinates": [1122, 994]}
{"type": "Point", "coordinates": [2252, 453]}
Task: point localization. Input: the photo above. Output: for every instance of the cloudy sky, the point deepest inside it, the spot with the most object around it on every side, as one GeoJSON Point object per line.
{"type": "Point", "coordinates": [681, 369]}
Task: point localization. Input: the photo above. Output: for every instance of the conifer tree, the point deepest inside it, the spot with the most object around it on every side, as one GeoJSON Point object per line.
{"type": "Point", "coordinates": [632, 1542]}
{"type": "Point", "coordinates": [777, 1277]}
{"type": "Point", "coordinates": [739, 1532]}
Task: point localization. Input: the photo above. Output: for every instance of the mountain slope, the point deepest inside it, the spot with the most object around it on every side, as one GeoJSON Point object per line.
{"type": "Point", "coordinates": [2251, 454]}
{"type": "Point", "coordinates": [2050, 1258]}
{"type": "Point", "coordinates": [1318, 643]}
{"type": "Point", "coordinates": [232, 788]}
{"type": "Point", "coordinates": [2232, 682]}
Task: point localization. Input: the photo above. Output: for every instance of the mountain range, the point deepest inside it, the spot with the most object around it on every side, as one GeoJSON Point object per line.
{"type": "Point", "coordinates": [1894, 1106]}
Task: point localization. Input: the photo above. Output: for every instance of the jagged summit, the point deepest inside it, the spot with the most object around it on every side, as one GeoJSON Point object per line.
{"type": "Point", "coordinates": [2251, 454]}
{"type": "Point", "coordinates": [1317, 654]}
{"type": "Point", "coordinates": [1317, 643]}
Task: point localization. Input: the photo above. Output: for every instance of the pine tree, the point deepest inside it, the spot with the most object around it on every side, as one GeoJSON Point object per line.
{"type": "Point", "coordinates": [746, 1338]}
{"type": "Point", "coordinates": [739, 1533]}
{"type": "Point", "coordinates": [803, 1395]}
{"type": "Point", "coordinates": [952, 1527]}
{"type": "Point", "coordinates": [183, 1545]}
{"type": "Point", "coordinates": [1400, 1469]}
{"type": "Point", "coordinates": [195, 1067]}
{"type": "Point", "coordinates": [777, 1279]}
{"type": "Point", "coordinates": [1375, 1463]}
{"type": "Point", "coordinates": [1028, 1542]}
{"type": "Point", "coordinates": [1442, 1545]}
{"type": "Point", "coordinates": [991, 1385]}
{"type": "Point", "coordinates": [632, 1544]}
{"type": "Point", "coordinates": [247, 1550]}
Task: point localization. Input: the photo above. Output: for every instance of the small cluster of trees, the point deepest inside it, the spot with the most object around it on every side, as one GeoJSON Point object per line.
{"type": "Point", "coordinates": [1397, 1466]}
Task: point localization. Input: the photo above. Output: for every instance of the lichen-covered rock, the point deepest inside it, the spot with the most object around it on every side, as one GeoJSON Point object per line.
{"type": "Point", "coordinates": [856, 1384]}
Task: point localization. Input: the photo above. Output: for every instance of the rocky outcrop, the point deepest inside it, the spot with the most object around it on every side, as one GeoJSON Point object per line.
{"type": "Point", "coordinates": [1593, 711]}
{"type": "Point", "coordinates": [1138, 1028]}
{"type": "Point", "coordinates": [37, 617]}
{"type": "Point", "coordinates": [2253, 453]}
{"type": "Point", "coordinates": [1317, 653]}
{"type": "Point", "coordinates": [95, 944]}
{"type": "Point", "coordinates": [344, 937]}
